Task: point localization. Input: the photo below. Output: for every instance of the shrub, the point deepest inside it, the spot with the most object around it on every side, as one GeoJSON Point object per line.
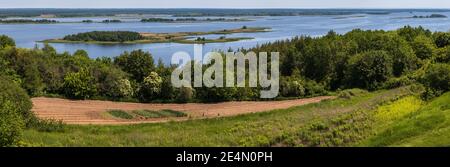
{"type": "Point", "coordinates": [423, 47]}
{"type": "Point", "coordinates": [6, 41]}
{"type": "Point", "coordinates": [441, 39]}
{"type": "Point", "coordinates": [15, 107]}
{"type": "Point", "coordinates": [436, 80]}
{"type": "Point", "coordinates": [185, 94]}
{"type": "Point", "coordinates": [369, 69]}
{"type": "Point", "coordinates": [137, 63]}
{"type": "Point", "coordinates": [79, 85]}
{"type": "Point", "coordinates": [292, 88]}
{"type": "Point", "coordinates": [150, 87]}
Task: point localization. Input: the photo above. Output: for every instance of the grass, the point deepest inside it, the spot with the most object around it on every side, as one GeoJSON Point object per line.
{"type": "Point", "coordinates": [159, 114]}
{"type": "Point", "coordinates": [120, 114]}
{"type": "Point", "coordinates": [428, 125]}
{"type": "Point", "coordinates": [171, 113]}
{"type": "Point", "coordinates": [272, 128]}
{"type": "Point", "coordinates": [147, 113]}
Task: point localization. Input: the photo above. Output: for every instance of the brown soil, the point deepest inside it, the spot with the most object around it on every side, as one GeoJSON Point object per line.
{"type": "Point", "coordinates": [94, 111]}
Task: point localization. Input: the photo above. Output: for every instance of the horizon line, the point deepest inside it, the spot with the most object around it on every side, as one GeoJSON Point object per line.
{"type": "Point", "coordinates": [219, 8]}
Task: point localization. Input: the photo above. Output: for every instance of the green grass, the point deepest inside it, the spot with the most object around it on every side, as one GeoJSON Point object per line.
{"type": "Point", "coordinates": [120, 114]}
{"type": "Point", "coordinates": [259, 129]}
{"type": "Point", "coordinates": [428, 125]}
{"type": "Point", "coordinates": [147, 113]}
{"type": "Point", "coordinates": [171, 113]}
{"type": "Point", "coordinates": [159, 114]}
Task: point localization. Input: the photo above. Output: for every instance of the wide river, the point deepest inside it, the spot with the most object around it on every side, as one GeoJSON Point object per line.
{"type": "Point", "coordinates": [284, 27]}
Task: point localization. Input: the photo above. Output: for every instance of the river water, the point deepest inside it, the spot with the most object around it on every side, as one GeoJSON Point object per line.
{"type": "Point", "coordinates": [283, 27]}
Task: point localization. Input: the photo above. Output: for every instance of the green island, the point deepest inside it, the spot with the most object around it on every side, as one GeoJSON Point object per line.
{"type": "Point", "coordinates": [182, 20]}
{"type": "Point", "coordinates": [128, 37]}
{"type": "Point", "coordinates": [431, 16]}
{"type": "Point", "coordinates": [27, 21]}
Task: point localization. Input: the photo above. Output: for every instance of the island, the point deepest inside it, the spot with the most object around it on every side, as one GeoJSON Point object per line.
{"type": "Point", "coordinates": [178, 20]}
{"type": "Point", "coordinates": [129, 37]}
{"type": "Point", "coordinates": [431, 16]}
{"type": "Point", "coordinates": [27, 21]}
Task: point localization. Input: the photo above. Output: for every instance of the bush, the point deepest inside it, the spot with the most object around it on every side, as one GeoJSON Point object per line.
{"type": "Point", "coordinates": [291, 87]}
{"type": "Point", "coordinates": [79, 85]}
{"type": "Point", "coordinates": [441, 39]}
{"type": "Point", "coordinates": [6, 41]}
{"type": "Point", "coordinates": [151, 87]}
{"type": "Point", "coordinates": [423, 47]}
{"type": "Point", "coordinates": [369, 70]}
{"type": "Point", "coordinates": [137, 63]}
{"type": "Point", "coordinates": [15, 106]}
{"type": "Point", "coordinates": [436, 80]}
{"type": "Point", "coordinates": [185, 94]}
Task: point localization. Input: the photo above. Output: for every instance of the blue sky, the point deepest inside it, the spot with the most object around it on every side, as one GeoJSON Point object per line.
{"type": "Point", "coordinates": [224, 4]}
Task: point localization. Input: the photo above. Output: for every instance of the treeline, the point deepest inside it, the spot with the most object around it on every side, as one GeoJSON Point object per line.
{"type": "Point", "coordinates": [40, 21]}
{"type": "Point", "coordinates": [106, 36]}
{"type": "Point", "coordinates": [186, 20]}
{"type": "Point", "coordinates": [366, 59]}
{"type": "Point", "coordinates": [111, 21]}
{"type": "Point", "coordinates": [431, 16]}
{"type": "Point", "coordinates": [309, 67]}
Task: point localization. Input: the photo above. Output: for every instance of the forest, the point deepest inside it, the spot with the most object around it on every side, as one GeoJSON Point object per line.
{"type": "Point", "coordinates": [309, 66]}
{"type": "Point", "coordinates": [115, 36]}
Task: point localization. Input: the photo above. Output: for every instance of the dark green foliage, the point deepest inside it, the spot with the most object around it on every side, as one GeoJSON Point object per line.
{"type": "Point", "coordinates": [120, 114]}
{"type": "Point", "coordinates": [159, 114]}
{"type": "Point", "coordinates": [410, 33]}
{"type": "Point", "coordinates": [79, 85]}
{"type": "Point", "coordinates": [20, 21]}
{"type": "Point", "coordinates": [105, 36]}
{"type": "Point", "coordinates": [147, 114]}
{"type": "Point", "coordinates": [6, 41]}
{"type": "Point", "coordinates": [15, 106]}
{"type": "Point", "coordinates": [137, 63]}
{"type": "Point", "coordinates": [436, 80]}
{"type": "Point", "coordinates": [441, 39]}
{"type": "Point", "coordinates": [369, 70]}
{"type": "Point", "coordinates": [150, 88]}
{"type": "Point", "coordinates": [185, 94]}
{"type": "Point", "coordinates": [172, 113]}
{"type": "Point", "coordinates": [423, 47]}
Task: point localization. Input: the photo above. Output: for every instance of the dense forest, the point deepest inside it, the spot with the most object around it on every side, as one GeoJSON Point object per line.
{"type": "Point", "coordinates": [309, 66]}
{"type": "Point", "coordinates": [108, 36]}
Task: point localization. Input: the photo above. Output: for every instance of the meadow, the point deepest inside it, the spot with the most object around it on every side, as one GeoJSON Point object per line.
{"type": "Point", "coordinates": [273, 128]}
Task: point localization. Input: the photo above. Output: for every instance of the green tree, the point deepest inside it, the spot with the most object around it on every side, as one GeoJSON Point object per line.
{"type": "Point", "coordinates": [423, 47]}
{"type": "Point", "coordinates": [15, 112]}
{"type": "Point", "coordinates": [79, 85]}
{"type": "Point", "coordinates": [137, 63]}
{"type": "Point", "coordinates": [369, 69]}
{"type": "Point", "coordinates": [151, 86]}
{"type": "Point", "coordinates": [441, 39]}
{"type": "Point", "coordinates": [6, 41]}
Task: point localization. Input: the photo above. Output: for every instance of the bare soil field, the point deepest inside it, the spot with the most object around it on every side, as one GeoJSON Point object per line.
{"type": "Point", "coordinates": [95, 111]}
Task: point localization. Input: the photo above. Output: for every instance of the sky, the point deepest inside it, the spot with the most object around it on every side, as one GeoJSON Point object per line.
{"type": "Point", "coordinates": [224, 3]}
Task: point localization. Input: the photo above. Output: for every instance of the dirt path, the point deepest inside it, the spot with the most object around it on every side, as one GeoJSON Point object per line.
{"type": "Point", "coordinates": [94, 111]}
